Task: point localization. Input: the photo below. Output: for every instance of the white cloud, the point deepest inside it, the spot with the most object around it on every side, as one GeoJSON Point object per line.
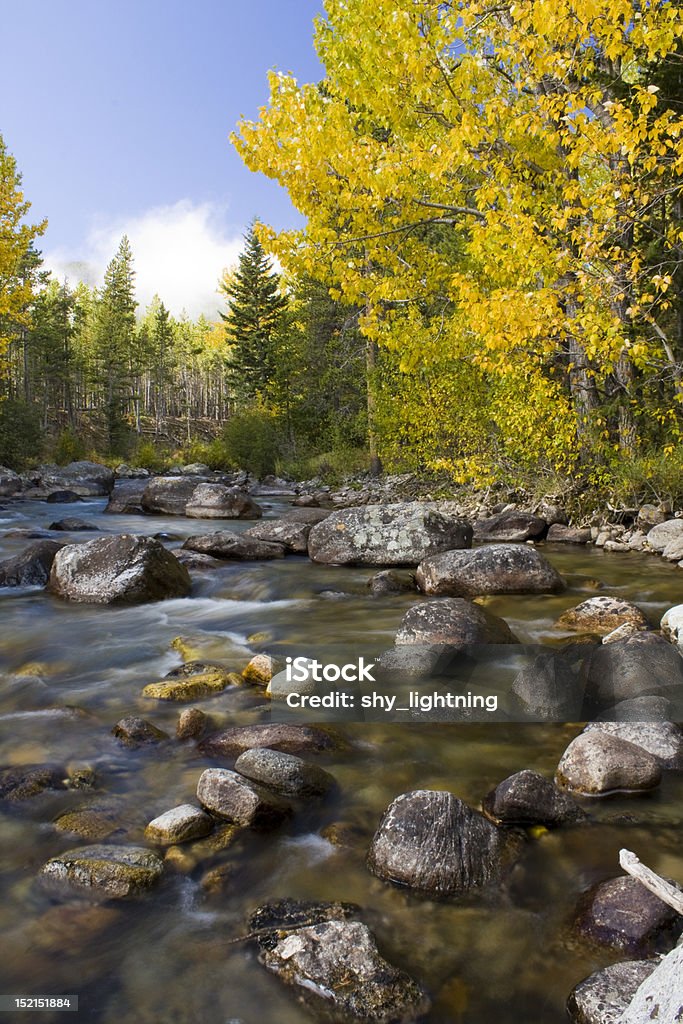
{"type": "Point", "coordinates": [179, 253]}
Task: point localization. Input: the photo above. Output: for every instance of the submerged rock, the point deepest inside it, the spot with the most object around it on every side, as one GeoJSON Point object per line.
{"type": "Point", "coordinates": [237, 546]}
{"type": "Point", "coordinates": [108, 872]}
{"type": "Point", "coordinates": [454, 622]}
{"type": "Point", "coordinates": [622, 914]}
{"type": "Point", "coordinates": [216, 501]}
{"type": "Point", "coordinates": [284, 773]}
{"type": "Point", "coordinates": [28, 780]}
{"type": "Point", "coordinates": [238, 800]}
{"type": "Point", "coordinates": [73, 523]}
{"type": "Point", "coordinates": [32, 567]}
{"type": "Point", "coordinates": [389, 581]}
{"type": "Point", "coordinates": [602, 615]}
{"type": "Point", "coordinates": [179, 825]}
{"type": "Point", "coordinates": [336, 967]}
{"type": "Point", "coordinates": [401, 534]}
{"type": "Point", "coordinates": [97, 819]}
{"type": "Point", "coordinates": [526, 798]}
{"type": "Point", "coordinates": [291, 739]}
{"type": "Point", "coordinates": [118, 570]}
{"type": "Point", "coordinates": [133, 731]}
{"type": "Point", "coordinates": [435, 843]}
{"type": "Point", "coordinates": [597, 763]}
{"type": "Point", "coordinates": [495, 569]}
{"type": "Point", "coordinates": [602, 997]}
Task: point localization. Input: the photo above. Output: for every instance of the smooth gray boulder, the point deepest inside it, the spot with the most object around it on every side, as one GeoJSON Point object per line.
{"type": "Point", "coordinates": [238, 800]}
{"type": "Point", "coordinates": [671, 624]}
{"type": "Point", "coordinates": [126, 498]}
{"type": "Point", "coordinates": [179, 825]}
{"type": "Point", "coordinates": [124, 569]}
{"type": "Point", "coordinates": [452, 621]}
{"type": "Point", "coordinates": [100, 871]}
{"type": "Point", "coordinates": [597, 763]}
{"type": "Point", "coordinates": [84, 478]}
{"type": "Point", "coordinates": [494, 569]}
{"type": "Point", "coordinates": [284, 773]}
{"type": "Point", "coordinates": [335, 967]}
{"type": "Point", "coordinates": [558, 533]}
{"type": "Point", "coordinates": [602, 997]}
{"type": "Point", "coordinates": [660, 536]}
{"type": "Point", "coordinates": [430, 841]}
{"type": "Point", "coordinates": [234, 546]}
{"type": "Point", "coordinates": [32, 567]}
{"type": "Point", "coordinates": [400, 534]}
{"type": "Point", "coordinates": [641, 665]}
{"type": "Point", "coordinates": [168, 495]}
{"type": "Point", "coordinates": [663, 740]}
{"type": "Point", "coordinates": [216, 501]}
{"type": "Point", "coordinates": [291, 534]}
{"type": "Point", "coordinates": [511, 526]}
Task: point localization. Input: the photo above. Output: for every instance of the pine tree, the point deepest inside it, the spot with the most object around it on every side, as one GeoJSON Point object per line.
{"type": "Point", "coordinates": [255, 308]}
{"type": "Point", "coordinates": [115, 334]}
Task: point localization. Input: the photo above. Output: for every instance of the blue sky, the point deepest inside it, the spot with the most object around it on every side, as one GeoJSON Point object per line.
{"type": "Point", "coordinates": [118, 114]}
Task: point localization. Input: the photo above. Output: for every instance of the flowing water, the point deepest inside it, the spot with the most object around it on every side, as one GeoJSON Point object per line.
{"type": "Point", "coordinates": [68, 672]}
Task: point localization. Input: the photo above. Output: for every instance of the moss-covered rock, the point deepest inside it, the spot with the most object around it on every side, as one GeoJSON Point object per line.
{"type": "Point", "coordinates": [104, 872]}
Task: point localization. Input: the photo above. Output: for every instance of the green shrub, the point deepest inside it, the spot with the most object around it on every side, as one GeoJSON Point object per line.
{"type": "Point", "coordinates": [69, 447]}
{"type": "Point", "coordinates": [21, 439]}
{"type": "Point", "coordinates": [252, 441]}
{"type": "Point", "coordinates": [146, 455]}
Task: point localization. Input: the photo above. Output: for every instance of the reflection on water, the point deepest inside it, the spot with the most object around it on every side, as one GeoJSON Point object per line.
{"type": "Point", "coordinates": [71, 671]}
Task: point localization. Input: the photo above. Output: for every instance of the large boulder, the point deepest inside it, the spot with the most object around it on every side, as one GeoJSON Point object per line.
{"type": "Point", "coordinates": [602, 997]}
{"type": "Point", "coordinates": [118, 570]}
{"type": "Point", "coordinates": [663, 534]}
{"type": "Point", "coordinates": [660, 996]}
{"type": "Point", "coordinates": [550, 688]}
{"type": "Point", "coordinates": [495, 569]}
{"type": "Point", "coordinates": [512, 526]}
{"type": "Point", "coordinates": [126, 497]}
{"type": "Point", "coordinates": [216, 501]}
{"type": "Point", "coordinates": [663, 740]}
{"type": "Point", "coordinates": [454, 622]}
{"type": "Point", "coordinates": [597, 763]}
{"type": "Point", "coordinates": [336, 967]}
{"type": "Point", "coordinates": [401, 534]}
{"type": "Point", "coordinates": [32, 567]}
{"type": "Point", "coordinates": [168, 495]}
{"type": "Point", "coordinates": [671, 625]}
{"type": "Point", "coordinates": [10, 482]}
{"type": "Point", "coordinates": [431, 841]}
{"type": "Point", "coordinates": [558, 533]}
{"type": "Point", "coordinates": [641, 665]}
{"type": "Point", "coordinates": [104, 872]}
{"type": "Point", "coordinates": [291, 534]}
{"type": "Point", "coordinates": [87, 479]}
{"type": "Point", "coordinates": [234, 546]}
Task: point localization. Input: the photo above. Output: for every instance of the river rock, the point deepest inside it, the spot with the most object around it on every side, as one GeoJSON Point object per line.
{"type": "Point", "coordinates": [526, 798]}
{"type": "Point", "coordinates": [651, 515]}
{"type": "Point", "coordinates": [663, 740]}
{"type": "Point", "coordinates": [168, 495]}
{"type": "Point", "coordinates": [494, 569]}
{"type": "Point", "coordinates": [401, 534]}
{"type": "Point", "coordinates": [270, 921]}
{"type": "Point", "coordinates": [127, 497]}
{"type": "Point", "coordinates": [284, 773]}
{"type": "Point", "coordinates": [663, 534]}
{"type": "Point", "coordinates": [639, 709]}
{"type": "Point", "coordinates": [622, 914]}
{"type": "Point", "coordinates": [108, 872]}
{"type": "Point", "coordinates": [511, 526]}
{"type": "Point", "coordinates": [602, 615]}
{"type": "Point", "coordinates": [118, 570]}
{"type": "Point", "coordinates": [602, 997]}
{"type": "Point", "coordinates": [32, 567]}
{"type": "Point", "coordinates": [22, 782]}
{"type": "Point", "coordinates": [72, 523]}
{"type": "Point", "coordinates": [673, 552]}
{"type": "Point", "coordinates": [227, 544]}
{"type": "Point", "coordinates": [191, 681]}
{"type": "Point", "coordinates": [259, 670]}
{"type": "Point", "coordinates": [336, 967]}
{"type": "Point", "coordinates": [597, 763]}
{"type": "Point", "coordinates": [389, 581]}
{"type": "Point", "coordinates": [671, 624]}
{"type": "Point", "coordinates": [84, 479]}
{"type": "Point", "coordinates": [192, 724]}
{"type": "Point", "coordinates": [195, 469]}
{"type": "Point", "coordinates": [179, 825]}
{"type": "Point", "coordinates": [561, 534]}
{"type": "Point", "coordinates": [10, 482]}
{"type": "Point", "coordinates": [95, 820]}
{"type": "Point", "coordinates": [62, 498]}
{"type": "Point", "coordinates": [452, 621]}
{"type": "Point", "coordinates": [642, 665]}
{"type": "Point", "coordinates": [660, 996]}
{"type": "Point", "coordinates": [238, 800]}
{"type": "Point", "coordinates": [550, 688]}
{"type": "Point", "coordinates": [124, 472]}
{"type": "Point", "coordinates": [291, 534]}
{"type": "Point", "coordinates": [216, 501]}
{"type": "Point", "coordinates": [137, 732]}
{"type": "Point", "coordinates": [306, 515]}
{"type": "Point", "coordinates": [290, 739]}
{"type": "Point", "coordinates": [433, 842]}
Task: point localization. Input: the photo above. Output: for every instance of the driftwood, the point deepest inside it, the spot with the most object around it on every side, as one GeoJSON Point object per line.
{"type": "Point", "coordinates": [666, 892]}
